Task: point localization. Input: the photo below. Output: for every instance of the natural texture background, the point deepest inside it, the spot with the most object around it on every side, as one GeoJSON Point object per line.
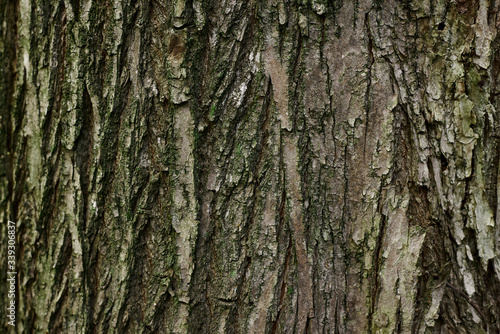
{"type": "Point", "coordinates": [227, 166]}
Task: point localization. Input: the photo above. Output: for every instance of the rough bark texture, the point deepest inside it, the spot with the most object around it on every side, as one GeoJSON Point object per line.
{"type": "Point", "coordinates": [296, 166]}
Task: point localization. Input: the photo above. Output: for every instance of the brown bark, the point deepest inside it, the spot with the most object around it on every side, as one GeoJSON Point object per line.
{"type": "Point", "coordinates": [251, 166]}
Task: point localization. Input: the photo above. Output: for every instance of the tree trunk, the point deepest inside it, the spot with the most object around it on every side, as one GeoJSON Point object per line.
{"type": "Point", "coordinates": [294, 166]}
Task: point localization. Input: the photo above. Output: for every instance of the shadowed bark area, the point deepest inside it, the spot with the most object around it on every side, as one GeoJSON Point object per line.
{"type": "Point", "coordinates": [297, 166]}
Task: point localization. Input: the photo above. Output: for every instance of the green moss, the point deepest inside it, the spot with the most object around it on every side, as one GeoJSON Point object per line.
{"type": "Point", "coordinates": [212, 111]}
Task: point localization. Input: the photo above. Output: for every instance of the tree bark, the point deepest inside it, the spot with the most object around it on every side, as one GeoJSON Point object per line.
{"type": "Point", "coordinates": [199, 166]}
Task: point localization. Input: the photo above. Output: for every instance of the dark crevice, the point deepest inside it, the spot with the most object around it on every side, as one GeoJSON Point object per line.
{"type": "Point", "coordinates": [83, 154]}
{"type": "Point", "coordinates": [371, 59]}
{"type": "Point", "coordinates": [374, 280]}
{"type": "Point", "coordinates": [471, 303]}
